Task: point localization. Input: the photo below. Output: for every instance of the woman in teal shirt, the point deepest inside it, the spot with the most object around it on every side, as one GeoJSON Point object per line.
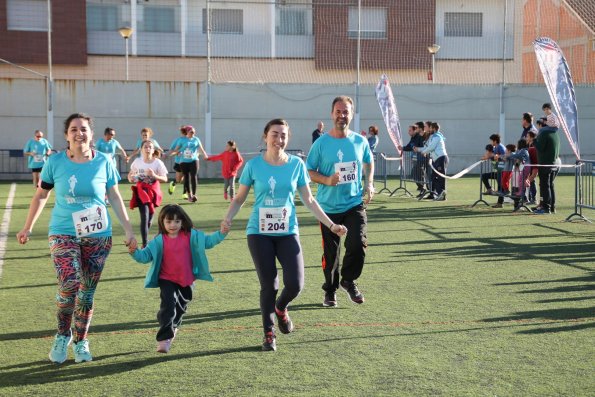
{"type": "Point", "coordinates": [80, 232]}
{"type": "Point", "coordinates": [273, 228]}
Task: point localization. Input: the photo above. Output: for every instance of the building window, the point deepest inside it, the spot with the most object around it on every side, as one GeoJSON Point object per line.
{"type": "Point", "coordinates": [291, 22]}
{"type": "Point", "coordinates": [372, 23]}
{"type": "Point", "coordinates": [224, 21]}
{"type": "Point", "coordinates": [102, 18]}
{"type": "Point", "coordinates": [31, 15]}
{"type": "Point", "coordinates": [159, 19]}
{"type": "Point", "coordinates": [463, 24]}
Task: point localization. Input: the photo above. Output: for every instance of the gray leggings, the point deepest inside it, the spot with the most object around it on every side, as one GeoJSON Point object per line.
{"type": "Point", "coordinates": [264, 251]}
{"type": "Point", "coordinates": [229, 183]}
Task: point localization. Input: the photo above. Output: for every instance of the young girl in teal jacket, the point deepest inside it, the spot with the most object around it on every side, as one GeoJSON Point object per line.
{"type": "Point", "coordinates": [178, 257]}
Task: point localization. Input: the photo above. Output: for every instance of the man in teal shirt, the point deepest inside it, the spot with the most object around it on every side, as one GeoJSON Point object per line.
{"type": "Point", "coordinates": [336, 162]}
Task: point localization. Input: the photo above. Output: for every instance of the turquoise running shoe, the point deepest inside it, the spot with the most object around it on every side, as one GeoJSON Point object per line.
{"type": "Point", "coordinates": [59, 351]}
{"type": "Point", "coordinates": [81, 351]}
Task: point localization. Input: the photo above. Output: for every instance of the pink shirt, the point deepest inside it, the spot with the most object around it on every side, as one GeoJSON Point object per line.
{"type": "Point", "coordinates": [176, 265]}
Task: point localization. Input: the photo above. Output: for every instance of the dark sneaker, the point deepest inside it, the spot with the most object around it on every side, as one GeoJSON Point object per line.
{"type": "Point", "coordinates": [430, 197]}
{"type": "Point", "coordinates": [497, 205]}
{"type": "Point", "coordinates": [330, 299]}
{"type": "Point", "coordinates": [441, 197]}
{"type": "Point", "coordinates": [422, 193]}
{"type": "Point", "coordinates": [284, 321]}
{"type": "Point", "coordinates": [542, 211]}
{"type": "Point", "coordinates": [268, 343]}
{"type": "Point", "coordinates": [352, 291]}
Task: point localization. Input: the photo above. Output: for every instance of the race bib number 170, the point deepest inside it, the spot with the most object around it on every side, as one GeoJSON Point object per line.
{"type": "Point", "coordinates": [90, 220]}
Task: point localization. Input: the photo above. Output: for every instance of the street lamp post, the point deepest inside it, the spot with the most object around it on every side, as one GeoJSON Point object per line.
{"type": "Point", "coordinates": [433, 49]}
{"type": "Point", "coordinates": [126, 32]}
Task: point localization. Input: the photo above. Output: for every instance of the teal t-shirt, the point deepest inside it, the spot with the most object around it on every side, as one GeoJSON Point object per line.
{"type": "Point", "coordinates": [189, 149]}
{"type": "Point", "coordinates": [109, 147]}
{"type": "Point", "coordinates": [40, 148]}
{"type": "Point", "coordinates": [177, 142]}
{"type": "Point", "coordinates": [139, 142]}
{"type": "Point", "coordinates": [273, 212]}
{"type": "Point", "coordinates": [347, 155]}
{"type": "Point", "coordinates": [80, 191]}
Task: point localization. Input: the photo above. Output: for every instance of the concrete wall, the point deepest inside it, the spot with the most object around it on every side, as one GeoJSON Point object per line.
{"type": "Point", "coordinates": [468, 114]}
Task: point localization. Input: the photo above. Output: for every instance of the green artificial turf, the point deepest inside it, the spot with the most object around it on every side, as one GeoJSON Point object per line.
{"type": "Point", "coordinates": [460, 301]}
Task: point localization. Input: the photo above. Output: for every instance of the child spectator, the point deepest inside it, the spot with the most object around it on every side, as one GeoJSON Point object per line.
{"type": "Point", "coordinates": [551, 120]}
{"type": "Point", "coordinates": [232, 161]}
{"type": "Point", "coordinates": [506, 173]}
{"type": "Point", "coordinates": [177, 256]}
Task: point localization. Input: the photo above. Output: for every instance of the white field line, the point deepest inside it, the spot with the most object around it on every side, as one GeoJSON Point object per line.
{"type": "Point", "coordinates": [5, 224]}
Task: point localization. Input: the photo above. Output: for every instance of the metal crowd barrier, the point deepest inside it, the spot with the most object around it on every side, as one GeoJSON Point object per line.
{"type": "Point", "coordinates": [411, 170]}
{"type": "Point", "coordinates": [584, 178]}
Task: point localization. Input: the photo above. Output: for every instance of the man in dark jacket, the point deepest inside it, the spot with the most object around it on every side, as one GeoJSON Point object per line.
{"type": "Point", "coordinates": [547, 144]}
{"type": "Point", "coordinates": [418, 167]}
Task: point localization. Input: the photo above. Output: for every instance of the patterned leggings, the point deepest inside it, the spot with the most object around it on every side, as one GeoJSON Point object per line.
{"type": "Point", "coordinates": [78, 263]}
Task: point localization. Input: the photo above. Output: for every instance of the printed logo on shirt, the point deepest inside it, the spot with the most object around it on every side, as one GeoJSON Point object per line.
{"type": "Point", "coordinates": [340, 155]}
{"type": "Point", "coordinates": [272, 183]}
{"type": "Point", "coordinates": [72, 182]}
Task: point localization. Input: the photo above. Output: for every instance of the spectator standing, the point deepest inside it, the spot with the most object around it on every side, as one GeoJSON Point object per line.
{"type": "Point", "coordinates": [498, 151]}
{"type": "Point", "coordinates": [527, 124]}
{"type": "Point", "coordinates": [37, 151]}
{"type": "Point", "coordinates": [336, 163]}
{"type": "Point", "coordinates": [373, 137]}
{"type": "Point", "coordinates": [436, 148]}
{"type": "Point", "coordinates": [547, 144]}
{"type": "Point", "coordinates": [318, 132]}
{"type": "Point", "coordinates": [418, 168]}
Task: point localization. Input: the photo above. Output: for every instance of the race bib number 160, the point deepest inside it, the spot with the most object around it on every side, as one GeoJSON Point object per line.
{"type": "Point", "coordinates": [347, 172]}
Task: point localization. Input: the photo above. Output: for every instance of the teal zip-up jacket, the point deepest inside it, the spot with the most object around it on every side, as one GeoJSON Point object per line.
{"type": "Point", "coordinates": [199, 243]}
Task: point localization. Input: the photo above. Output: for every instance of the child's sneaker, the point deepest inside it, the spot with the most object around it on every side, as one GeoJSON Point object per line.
{"type": "Point", "coordinates": [172, 187]}
{"type": "Point", "coordinates": [81, 351]}
{"type": "Point", "coordinates": [269, 344]}
{"type": "Point", "coordinates": [225, 196]}
{"type": "Point", "coordinates": [59, 351]}
{"type": "Point", "coordinates": [185, 196]}
{"type": "Point", "coordinates": [163, 346]}
{"type": "Point", "coordinates": [284, 321]}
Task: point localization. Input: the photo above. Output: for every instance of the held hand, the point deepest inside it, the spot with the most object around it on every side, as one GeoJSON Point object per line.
{"type": "Point", "coordinates": [334, 179]}
{"type": "Point", "coordinates": [225, 226]}
{"type": "Point", "coordinates": [23, 236]}
{"type": "Point", "coordinates": [131, 242]}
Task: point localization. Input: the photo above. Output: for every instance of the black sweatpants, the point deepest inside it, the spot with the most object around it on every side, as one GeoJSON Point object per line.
{"type": "Point", "coordinates": [174, 302]}
{"type": "Point", "coordinates": [265, 250]}
{"type": "Point", "coordinates": [356, 242]}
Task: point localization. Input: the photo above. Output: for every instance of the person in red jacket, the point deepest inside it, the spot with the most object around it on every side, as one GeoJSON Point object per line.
{"type": "Point", "coordinates": [232, 161]}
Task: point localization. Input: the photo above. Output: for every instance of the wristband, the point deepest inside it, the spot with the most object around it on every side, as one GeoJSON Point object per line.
{"type": "Point", "coordinates": [331, 226]}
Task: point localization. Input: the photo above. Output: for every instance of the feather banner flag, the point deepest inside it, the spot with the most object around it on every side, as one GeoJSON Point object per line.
{"type": "Point", "coordinates": [558, 81]}
{"type": "Point", "coordinates": [386, 101]}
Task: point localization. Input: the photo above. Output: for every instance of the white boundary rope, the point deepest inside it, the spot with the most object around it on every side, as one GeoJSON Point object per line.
{"type": "Point", "coordinates": [5, 224]}
{"type": "Point", "coordinates": [466, 170]}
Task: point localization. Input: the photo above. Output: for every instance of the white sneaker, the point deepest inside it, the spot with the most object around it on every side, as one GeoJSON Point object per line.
{"type": "Point", "coordinates": [59, 351]}
{"type": "Point", "coordinates": [81, 351]}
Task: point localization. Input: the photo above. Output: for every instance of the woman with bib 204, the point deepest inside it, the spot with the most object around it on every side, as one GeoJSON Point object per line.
{"type": "Point", "coordinates": [80, 231]}
{"type": "Point", "coordinates": [273, 228]}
